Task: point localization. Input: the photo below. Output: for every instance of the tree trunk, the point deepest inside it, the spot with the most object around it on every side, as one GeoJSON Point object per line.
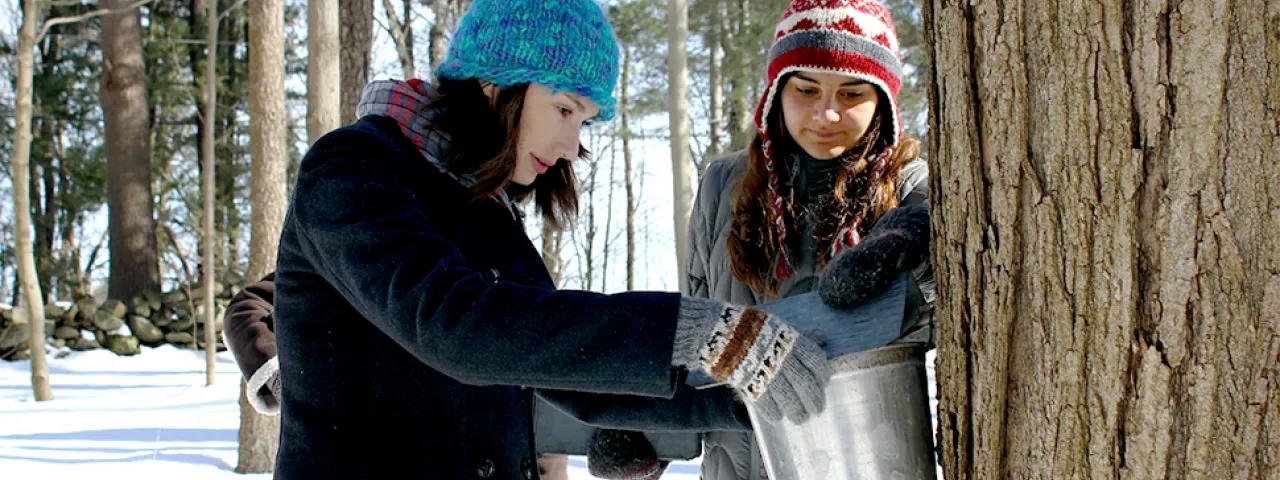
{"type": "Point", "coordinates": [134, 263]}
{"type": "Point", "coordinates": [210, 235]}
{"type": "Point", "coordinates": [49, 228]}
{"type": "Point", "coordinates": [589, 251]}
{"type": "Point", "coordinates": [402, 33]}
{"type": "Point", "coordinates": [459, 8]}
{"type": "Point", "coordinates": [260, 434]}
{"type": "Point", "coordinates": [551, 252]}
{"type": "Point", "coordinates": [1106, 244]}
{"type": "Point", "coordinates": [21, 169]}
{"type": "Point", "coordinates": [678, 100]}
{"type": "Point", "coordinates": [41, 216]}
{"type": "Point", "coordinates": [608, 218]}
{"type": "Point", "coordinates": [716, 86]}
{"type": "Point", "coordinates": [43, 189]}
{"type": "Point", "coordinates": [229, 181]}
{"type": "Point", "coordinates": [323, 70]}
{"type": "Point", "coordinates": [230, 178]}
{"type": "Point", "coordinates": [74, 283]}
{"type": "Point", "coordinates": [736, 53]}
{"type": "Point", "coordinates": [268, 133]}
{"type": "Point", "coordinates": [437, 37]}
{"type": "Point", "coordinates": [356, 38]}
{"type": "Point", "coordinates": [626, 169]}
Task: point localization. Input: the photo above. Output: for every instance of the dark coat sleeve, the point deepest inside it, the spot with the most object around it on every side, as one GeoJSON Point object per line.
{"type": "Point", "coordinates": [689, 410]}
{"type": "Point", "coordinates": [247, 326]}
{"type": "Point", "coordinates": [363, 230]}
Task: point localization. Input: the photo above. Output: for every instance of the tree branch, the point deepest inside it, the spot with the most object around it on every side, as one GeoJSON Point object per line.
{"type": "Point", "coordinates": [182, 257]}
{"type": "Point", "coordinates": [93, 256]}
{"type": "Point", "coordinates": [230, 9]}
{"type": "Point", "coordinates": [84, 16]}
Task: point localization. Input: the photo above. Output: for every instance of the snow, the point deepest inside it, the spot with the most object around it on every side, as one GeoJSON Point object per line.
{"type": "Point", "coordinates": [148, 416]}
{"type": "Point", "coordinates": [143, 417]}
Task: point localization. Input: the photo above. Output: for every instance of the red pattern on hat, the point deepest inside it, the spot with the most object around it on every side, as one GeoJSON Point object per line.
{"type": "Point", "coordinates": [867, 19]}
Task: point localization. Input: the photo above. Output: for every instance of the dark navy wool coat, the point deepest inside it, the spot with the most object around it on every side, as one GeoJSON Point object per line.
{"type": "Point", "coordinates": [413, 323]}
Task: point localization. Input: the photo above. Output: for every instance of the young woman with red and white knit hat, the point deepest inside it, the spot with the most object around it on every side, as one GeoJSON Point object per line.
{"type": "Point", "coordinates": [826, 173]}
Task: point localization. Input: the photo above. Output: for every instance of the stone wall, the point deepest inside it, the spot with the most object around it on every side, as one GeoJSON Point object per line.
{"type": "Point", "coordinates": [122, 326]}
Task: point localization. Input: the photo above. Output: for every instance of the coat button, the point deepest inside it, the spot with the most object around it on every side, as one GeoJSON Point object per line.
{"type": "Point", "coordinates": [486, 469]}
{"type": "Point", "coordinates": [527, 466]}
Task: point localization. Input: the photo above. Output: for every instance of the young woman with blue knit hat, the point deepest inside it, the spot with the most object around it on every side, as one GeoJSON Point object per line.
{"type": "Point", "coordinates": [414, 319]}
{"type": "Point", "coordinates": [829, 194]}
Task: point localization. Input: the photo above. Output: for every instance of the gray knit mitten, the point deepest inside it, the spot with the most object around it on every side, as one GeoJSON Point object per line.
{"type": "Point", "coordinates": [772, 365]}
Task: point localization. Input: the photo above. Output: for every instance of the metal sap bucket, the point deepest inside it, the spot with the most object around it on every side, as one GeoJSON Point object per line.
{"type": "Point", "coordinates": [876, 424]}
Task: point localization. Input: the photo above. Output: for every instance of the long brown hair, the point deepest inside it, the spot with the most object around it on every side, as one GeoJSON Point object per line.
{"type": "Point", "coordinates": [483, 143]}
{"type": "Point", "coordinates": [753, 244]}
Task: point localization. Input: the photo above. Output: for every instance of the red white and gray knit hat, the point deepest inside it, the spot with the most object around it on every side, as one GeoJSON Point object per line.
{"type": "Point", "coordinates": [856, 38]}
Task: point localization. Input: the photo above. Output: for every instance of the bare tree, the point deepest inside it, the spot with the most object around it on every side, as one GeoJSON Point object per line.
{"type": "Point", "coordinates": [356, 39]}
{"type": "Point", "coordinates": [323, 69]}
{"type": "Point", "coordinates": [678, 102]}
{"type": "Point", "coordinates": [736, 44]}
{"type": "Point", "coordinates": [1106, 245]}
{"type": "Point", "coordinates": [592, 187]}
{"type": "Point", "coordinates": [715, 85]}
{"type": "Point", "coordinates": [439, 43]}
{"type": "Point", "coordinates": [623, 110]}
{"type": "Point", "coordinates": [27, 277]}
{"type": "Point", "coordinates": [608, 217]}
{"type": "Point", "coordinates": [210, 234]}
{"type": "Point", "coordinates": [401, 33]}
{"type": "Point", "coordinates": [135, 266]}
{"type": "Point", "coordinates": [551, 252]}
{"type": "Point", "coordinates": [260, 434]}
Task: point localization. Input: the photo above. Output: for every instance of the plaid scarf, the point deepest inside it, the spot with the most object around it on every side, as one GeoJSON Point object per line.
{"type": "Point", "coordinates": [408, 103]}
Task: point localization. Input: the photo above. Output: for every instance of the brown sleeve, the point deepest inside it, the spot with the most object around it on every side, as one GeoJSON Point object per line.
{"type": "Point", "coordinates": [247, 326]}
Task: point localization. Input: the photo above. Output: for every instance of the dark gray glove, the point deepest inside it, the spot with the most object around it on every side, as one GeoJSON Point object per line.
{"type": "Point", "coordinates": [899, 241]}
{"type": "Point", "coordinates": [623, 455]}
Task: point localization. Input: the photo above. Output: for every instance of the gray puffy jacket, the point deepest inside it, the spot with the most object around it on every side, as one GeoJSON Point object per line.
{"type": "Point", "coordinates": [732, 455]}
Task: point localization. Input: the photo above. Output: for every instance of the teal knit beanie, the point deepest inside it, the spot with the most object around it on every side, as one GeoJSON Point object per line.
{"type": "Point", "coordinates": [564, 45]}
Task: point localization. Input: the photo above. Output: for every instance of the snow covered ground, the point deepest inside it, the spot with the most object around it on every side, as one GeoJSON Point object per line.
{"type": "Point", "coordinates": [142, 417]}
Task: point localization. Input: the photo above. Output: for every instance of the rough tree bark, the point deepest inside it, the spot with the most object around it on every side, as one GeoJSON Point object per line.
{"type": "Point", "coordinates": [323, 70]}
{"type": "Point", "coordinates": [356, 39]}
{"type": "Point", "coordinates": [1106, 178]}
{"type": "Point", "coordinates": [21, 169]}
{"type": "Point", "coordinates": [260, 434]}
{"type": "Point", "coordinates": [135, 266]}
{"type": "Point", "coordinates": [678, 100]}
